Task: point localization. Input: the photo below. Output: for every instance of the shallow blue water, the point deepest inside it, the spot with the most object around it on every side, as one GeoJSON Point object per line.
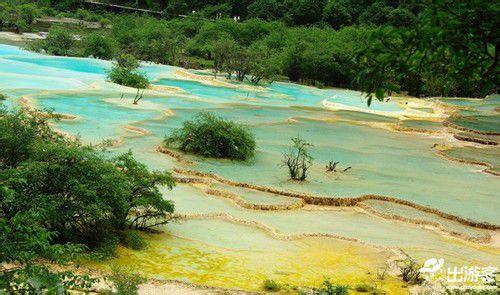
{"type": "Point", "coordinates": [383, 162]}
{"type": "Point", "coordinates": [72, 64]}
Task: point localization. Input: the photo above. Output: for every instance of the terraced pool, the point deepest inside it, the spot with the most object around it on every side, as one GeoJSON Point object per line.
{"type": "Point", "coordinates": [405, 156]}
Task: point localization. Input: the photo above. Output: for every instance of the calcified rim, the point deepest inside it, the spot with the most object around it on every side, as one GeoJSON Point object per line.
{"type": "Point", "coordinates": [474, 140]}
{"type": "Point", "coordinates": [300, 204]}
{"type": "Point", "coordinates": [316, 200]}
{"type": "Point", "coordinates": [311, 199]}
{"type": "Point", "coordinates": [461, 128]}
{"type": "Point", "coordinates": [489, 168]}
{"type": "Point", "coordinates": [341, 201]}
{"type": "Point", "coordinates": [434, 224]}
{"type": "Point", "coordinates": [248, 205]}
{"type": "Point", "coordinates": [398, 254]}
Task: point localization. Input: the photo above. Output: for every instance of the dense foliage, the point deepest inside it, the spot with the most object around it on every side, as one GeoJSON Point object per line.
{"type": "Point", "coordinates": [19, 17]}
{"type": "Point", "coordinates": [337, 13]}
{"type": "Point", "coordinates": [59, 198]}
{"type": "Point", "coordinates": [125, 72]}
{"type": "Point", "coordinates": [59, 41]}
{"type": "Point", "coordinates": [210, 136]}
{"type": "Point", "coordinates": [424, 48]}
{"type": "Point", "coordinates": [452, 52]}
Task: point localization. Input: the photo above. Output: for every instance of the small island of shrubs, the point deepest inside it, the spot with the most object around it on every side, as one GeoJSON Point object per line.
{"type": "Point", "coordinates": [208, 135]}
{"type": "Point", "coordinates": [125, 72]}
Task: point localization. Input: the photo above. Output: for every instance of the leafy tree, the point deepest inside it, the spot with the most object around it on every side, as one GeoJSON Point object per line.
{"type": "Point", "coordinates": [20, 17]}
{"type": "Point", "coordinates": [239, 62]}
{"type": "Point", "coordinates": [91, 192]}
{"type": "Point", "coordinates": [19, 133]}
{"type": "Point", "coordinates": [337, 13]}
{"type": "Point", "coordinates": [376, 14]}
{"type": "Point", "coordinates": [253, 30]}
{"type": "Point", "coordinates": [293, 61]}
{"type": "Point", "coordinates": [99, 45]}
{"type": "Point", "coordinates": [23, 239]}
{"type": "Point", "coordinates": [401, 17]}
{"type": "Point", "coordinates": [70, 192]}
{"type": "Point", "coordinates": [201, 45]}
{"type": "Point", "coordinates": [59, 199]}
{"type": "Point", "coordinates": [265, 9]}
{"type": "Point", "coordinates": [210, 136]}
{"type": "Point", "coordinates": [24, 234]}
{"type": "Point", "coordinates": [222, 51]}
{"type": "Point", "coordinates": [297, 159]}
{"type": "Point", "coordinates": [303, 12]}
{"type": "Point", "coordinates": [149, 39]}
{"type": "Point", "coordinates": [124, 72]}
{"type": "Point", "coordinates": [451, 51]}
{"type": "Point", "coordinates": [151, 209]}
{"type": "Point", "coordinates": [264, 64]}
{"type": "Point", "coordinates": [28, 13]}
{"type": "Point", "coordinates": [59, 41]}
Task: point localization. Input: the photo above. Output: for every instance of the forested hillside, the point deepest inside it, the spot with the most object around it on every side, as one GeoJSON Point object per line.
{"type": "Point", "coordinates": [295, 13]}
{"type": "Point", "coordinates": [423, 48]}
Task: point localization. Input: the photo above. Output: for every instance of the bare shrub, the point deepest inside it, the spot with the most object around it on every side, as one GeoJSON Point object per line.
{"type": "Point", "coordinates": [297, 159]}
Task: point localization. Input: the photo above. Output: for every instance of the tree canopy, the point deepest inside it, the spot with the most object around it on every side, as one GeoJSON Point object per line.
{"type": "Point", "coordinates": [452, 51]}
{"type": "Point", "coordinates": [59, 199]}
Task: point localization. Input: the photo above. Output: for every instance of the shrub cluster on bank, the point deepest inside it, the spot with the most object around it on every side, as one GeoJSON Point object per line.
{"type": "Point", "coordinates": [60, 199]}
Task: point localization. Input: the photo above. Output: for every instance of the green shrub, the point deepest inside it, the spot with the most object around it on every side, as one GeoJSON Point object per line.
{"type": "Point", "coordinates": [59, 41]}
{"type": "Point", "coordinates": [126, 283]}
{"type": "Point", "coordinates": [133, 240]}
{"type": "Point", "coordinates": [48, 11]}
{"type": "Point", "coordinates": [124, 72]}
{"type": "Point", "coordinates": [99, 45]}
{"type": "Point", "coordinates": [18, 17]}
{"type": "Point", "coordinates": [3, 96]}
{"type": "Point", "coordinates": [329, 288]}
{"type": "Point", "coordinates": [208, 135]}
{"type": "Point", "coordinates": [367, 288]}
{"type": "Point", "coordinates": [80, 196]}
{"type": "Point", "coordinates": [81, 14]}
{"type": "Point", "coordinates": [104, 22]}
{"type": "Point", "coordinates": [271, 285]}
{"type": "Point", "coordinates": [128, 78]}
{"type": "Point", "coordinates": [92, 17]}
{"type": "Point", "coordinates": [106, 249]}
